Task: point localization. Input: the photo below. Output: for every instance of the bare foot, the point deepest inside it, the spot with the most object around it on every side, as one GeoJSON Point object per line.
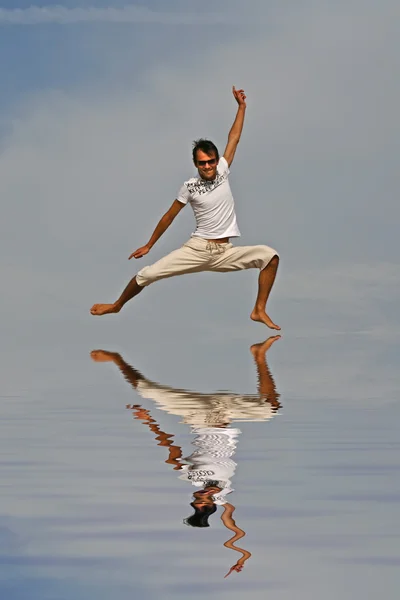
{"type": "Point", "coordinates": [262, 347]}
{"type": "Point", "coordinates": [262, 317]}
{"type": "Point", "coordinates": [104, 309]}
{"type": "Point", "coordinates": [103, 356]}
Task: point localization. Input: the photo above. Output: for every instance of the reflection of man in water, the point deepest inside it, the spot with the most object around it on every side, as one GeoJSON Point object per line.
{"type": "Point", "coordinates": [210, 467]}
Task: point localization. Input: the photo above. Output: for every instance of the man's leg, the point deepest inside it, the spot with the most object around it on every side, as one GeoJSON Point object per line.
{"type": "Point", "coordinates": [265, 282]}
{"type": "Point", "coordinates": [238, 258]}
{"type": "Point", "coordinates": [131, 290]}
{"type": "Point", "coordinates": [190, 258]}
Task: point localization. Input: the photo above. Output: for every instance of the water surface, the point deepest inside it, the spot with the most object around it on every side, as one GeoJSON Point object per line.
{"type": "Point", "coordinates": [101, 455]}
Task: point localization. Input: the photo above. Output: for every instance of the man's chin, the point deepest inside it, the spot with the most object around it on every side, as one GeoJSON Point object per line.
{"type": "Point", "coordinates": [209, 176]}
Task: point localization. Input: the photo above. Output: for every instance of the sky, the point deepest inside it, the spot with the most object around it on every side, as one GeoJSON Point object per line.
{"type": "Point", "coordinates": [100, 104]}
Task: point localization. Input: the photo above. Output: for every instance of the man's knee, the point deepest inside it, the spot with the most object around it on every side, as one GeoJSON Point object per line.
{"type": "Point", "coordinates": [268, 256]}
{"type": "Point", "coordinates": [144, 277]}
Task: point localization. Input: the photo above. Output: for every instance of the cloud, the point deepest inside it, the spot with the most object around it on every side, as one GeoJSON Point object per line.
{"type": "Point", "coordinates": [35, 15]}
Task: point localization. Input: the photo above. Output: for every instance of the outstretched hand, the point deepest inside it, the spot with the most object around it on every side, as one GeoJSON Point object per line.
{"type": "Point", "coordinates": [239, 96]}
{"type": "Point", "coordinates": [140, 252]}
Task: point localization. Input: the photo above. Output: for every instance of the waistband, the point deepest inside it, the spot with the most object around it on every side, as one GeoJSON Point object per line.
{"type": "Point", "coordinates": [199, 243]}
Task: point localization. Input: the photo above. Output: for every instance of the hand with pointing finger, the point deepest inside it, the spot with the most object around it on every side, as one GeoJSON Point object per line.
{"type": "Point", "coordinates": [239, 96]}
{"type": "Point", "coordinates": [140, 252]}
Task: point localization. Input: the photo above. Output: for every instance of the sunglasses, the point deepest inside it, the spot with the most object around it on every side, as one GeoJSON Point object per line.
{"type": "Point", "coordinates": [212, 162]}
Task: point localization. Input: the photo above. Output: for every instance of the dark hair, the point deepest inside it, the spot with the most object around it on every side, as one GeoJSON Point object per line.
{"type": "Point", "coordinates": [200, 516]}
{"type": "Point", "coordinates": [205, 146]}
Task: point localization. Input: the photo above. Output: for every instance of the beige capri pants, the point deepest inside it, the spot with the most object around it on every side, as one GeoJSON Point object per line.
{"type": "Point", "coordinates": [198, 254]}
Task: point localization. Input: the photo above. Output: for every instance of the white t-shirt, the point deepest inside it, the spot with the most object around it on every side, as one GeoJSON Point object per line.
{"type": "Point", "coordinates": [212, 203]}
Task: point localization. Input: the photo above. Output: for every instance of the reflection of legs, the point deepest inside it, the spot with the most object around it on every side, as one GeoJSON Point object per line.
{"type": "Point", "coordinates": [181, 261]}
{"type": "Point", "coordinates": [131, 375]}
{"type": "Point", "coordinates": [266, 384]}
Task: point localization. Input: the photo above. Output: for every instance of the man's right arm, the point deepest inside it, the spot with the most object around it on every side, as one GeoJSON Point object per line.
{"type": "Point", "coordinates": [162, 226]}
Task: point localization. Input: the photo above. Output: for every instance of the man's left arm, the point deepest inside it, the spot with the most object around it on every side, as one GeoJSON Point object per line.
{"type": "Point", "coordinates": [236, 129]}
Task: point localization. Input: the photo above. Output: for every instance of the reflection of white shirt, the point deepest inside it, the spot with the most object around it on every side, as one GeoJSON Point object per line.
{"type": "Point", "coordinates": [212, 203]}
{"type": "Point", "coordinates": [212, 460]}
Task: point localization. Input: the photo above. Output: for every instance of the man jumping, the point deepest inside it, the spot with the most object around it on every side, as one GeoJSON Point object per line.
{"type": "Point", "coordinates": [209, 248]}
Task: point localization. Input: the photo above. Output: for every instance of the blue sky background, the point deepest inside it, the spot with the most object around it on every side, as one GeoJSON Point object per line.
{"type": "Point", "coordinates": [96, 129]}
{"type": "Point", "coordinates": [95, 138]}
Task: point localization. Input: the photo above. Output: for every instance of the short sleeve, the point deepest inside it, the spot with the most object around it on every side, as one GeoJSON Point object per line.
{"type": "Point", "coordinates": [184, 195]}
{"type": "Point", "coordinates": [219, 498]}
{"type": "Point", "coordinates": [223, 167]}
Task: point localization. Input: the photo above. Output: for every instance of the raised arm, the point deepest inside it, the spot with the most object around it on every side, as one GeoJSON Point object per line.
{"type": "Point", "coordinates": [236, 129]}
{"type": "Point", "coordinates": [161, 228]}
